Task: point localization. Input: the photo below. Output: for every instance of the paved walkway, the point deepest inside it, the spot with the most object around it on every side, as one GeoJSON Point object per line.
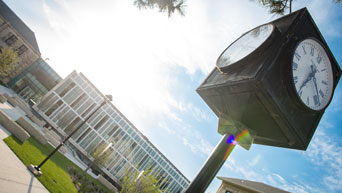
{"type": "Point", "coordinates": [14, 177]}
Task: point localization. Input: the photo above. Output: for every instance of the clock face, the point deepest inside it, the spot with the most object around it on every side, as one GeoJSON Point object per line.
{"type": "Point", "coordinates": [245, 45]}
{"type": "Point", "coordinates": [312, 74]}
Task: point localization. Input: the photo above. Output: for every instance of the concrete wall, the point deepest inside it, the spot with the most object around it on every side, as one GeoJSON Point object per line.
{"type": "Point", "coordinates": [36, 120]}
{"type": "Point", "coordinates": [3, 99]}
{"type": "Point", "coordinates": [13, 127]}
{"type": "Point", "coordinates": [54, 139]}
{"type": "Point", "coordinates": [23, 105]}
{"type": "Point", "coordinates": [32, 130]}
{"type": "Point", "coordinates": [11, 100]}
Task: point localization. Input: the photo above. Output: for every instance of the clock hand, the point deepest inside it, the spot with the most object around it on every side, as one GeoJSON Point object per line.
{"type": "Point", "coordinates": [305, 81]}
{"type": "Point", "coordinates": [315, 82]}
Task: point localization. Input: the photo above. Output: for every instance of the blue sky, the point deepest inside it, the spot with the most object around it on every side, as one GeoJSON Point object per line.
{"type": "Point", "coordinates": [152, 66]}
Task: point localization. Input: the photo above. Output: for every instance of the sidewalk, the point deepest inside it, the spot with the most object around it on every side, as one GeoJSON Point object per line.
{"type": "Point", "coordinates": [14, 177]}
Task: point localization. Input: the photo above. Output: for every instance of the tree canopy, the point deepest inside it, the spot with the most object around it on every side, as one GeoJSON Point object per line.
{"type": "Point", "coordinates": [144, 182]}
{"type": "Point", "coordinates": [8, 58]}
{"type": "Point", "coordinates": [101, 155]}
{"type": "Point", "coordinates": [279, 6]}
{"type": "Point", "coordinates": [169, 6]}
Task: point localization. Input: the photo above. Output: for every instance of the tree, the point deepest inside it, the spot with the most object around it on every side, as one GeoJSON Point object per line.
{"type": "Point", "coordinates": [8, 58]}
{"type": "Point", "coordinates": [101, 155]}
{"type": "Point", "coordinates": [144, 182]}
{"type": "Point", "coordinates": [169, 6]}
{"type": "Point", "coordinates": [279, 6]}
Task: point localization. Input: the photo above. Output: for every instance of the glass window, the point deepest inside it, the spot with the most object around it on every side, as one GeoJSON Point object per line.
{"type": "Point", "coordinates": [60, 112]}
{"type": "Point", "coordinates": [115, 138]}
{"type": "Point", "coordinates": [73, 125]}
{"type": "Point", "coordinates": [105, 126]}
{"type": "Point", "coordinates": [65, 87]}
{"type": "Point", "coordinates": [66, 119]}
{"type": "Point", "coordinates": [142, 162]}
{"type": "Point", "coordinates": [101, 122]}
{"type": "Point", "coordinates": [84, 106]}
{"type": "Point", "coordinates": [53, 108]}
{"type": "Point", "coordinates": [129, 130]}
{"type": "Point", "coordinates": [90, 108]}
{"type": "Point", "coordinates": [80, 100]}
{"type": "Point", "coordinates": [110, 110]}
{"type": "Point", "coordinates": [93, 94]}
{"type": "Point", "coordinates": [114, 115]}
{"type": "Point", "coordinates": [88, 89]}
{"type": "Point", "coordinates": [47, 102]}
{"type": "Point", "coordinates": [21, 49]}
{"type": "Point", "coordinates": [122, 143]}
{"type": "Point", "coordinates": [137, 138]}
{"type": "Point", "coordinates": [113, 162]}
{"type": "Point", "coordinates": [120, 169]}
{"type": "Point", "coordinates": [122, 123]}
{"type": "Point", "coordinates": [144, 145]}
{"type": "Point", "coordinates": [111, 157]}
{"type": "Point", "coordinates": [118, 138]}
{"type": "Point", "coordinates": [117, 119]}
{"type": "Point", "coordinates": [134, 153]}
{"type": "Point", "coordinates": [11, 40]}
{"type": "Point", "coordinates": [79, 80]}
{"type": "Point", "coordinates": [94, 144]}
{"type": "Point", "coordinates": [129, 149]}
{"type": "Point", "coordinates": [109, 132]}
{"type": "Point", "coordinates": [85, 142]}
{"type": "Point", "coordinates": [80, 131]}
{"type": "Point", "coordinates": [95, 118]}
{"type": "Point", "coordinates": [73, 94]}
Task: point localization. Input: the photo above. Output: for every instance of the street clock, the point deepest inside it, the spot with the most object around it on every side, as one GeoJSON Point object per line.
{"type": "Point", "coordinates": [277, 80]}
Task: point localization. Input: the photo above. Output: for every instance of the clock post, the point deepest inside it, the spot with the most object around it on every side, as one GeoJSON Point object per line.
{"type": "Point", "coordinates": [276, 80]}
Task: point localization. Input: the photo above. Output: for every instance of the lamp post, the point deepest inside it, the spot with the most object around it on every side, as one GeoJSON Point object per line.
{"type": "Point", "coordinates": [36, 169]}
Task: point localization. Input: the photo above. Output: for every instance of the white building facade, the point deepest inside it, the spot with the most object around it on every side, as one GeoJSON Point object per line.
{"type": "Point", "coordinates": [69, 103]}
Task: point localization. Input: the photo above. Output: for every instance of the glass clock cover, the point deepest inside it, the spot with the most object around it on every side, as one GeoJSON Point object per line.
{"type": "Point", "coordinates": [312, 74]}
{"type": "Point", "coordinates": [245, 45]}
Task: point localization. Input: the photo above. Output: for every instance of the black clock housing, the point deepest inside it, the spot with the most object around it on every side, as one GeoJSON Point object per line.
{"type": "Point", "coordinates": [259, 93]}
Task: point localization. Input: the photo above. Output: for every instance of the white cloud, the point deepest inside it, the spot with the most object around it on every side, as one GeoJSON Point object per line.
{"type": "Point", "coordinates": [327, 154]}
{"type": "Point", "coordinates": [195, 141]}
{"type": "Point", "coordinates": [255, 160]}
{"type": "Point", "coordinates": [325, 15]}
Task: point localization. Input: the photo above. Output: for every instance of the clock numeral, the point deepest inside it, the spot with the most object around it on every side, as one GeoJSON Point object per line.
{"type": "Point", "coordinates": [324, 69]}
{"type": "Point", "coordinates": [295, 79]}
{"type": "Point", "coordinates": [307, 101]}
{"type": "Point", "coordinates": [321, 93]}
{"type": "Point", "coordinates": [304, 49]}
{"type": "Point", "coordinates": [325, 83]}
{"type": "Point", "coordinates": [315, 98]}
{"type": "Point", "coordinates": [294, 66]}
{"type": "Point", "coordinates": [312, 50]}
{"type": "Point", "coordinates": [297, 56]}
{"type": "Point", "coordinates": [319, 58]}
{"type": "Point", "coordinates": [300, 93]}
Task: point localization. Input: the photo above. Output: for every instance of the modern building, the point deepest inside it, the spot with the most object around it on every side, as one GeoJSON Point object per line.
{"type": "Point", "coordinates": [233, 185]}
{"type": "Point", "coordinates": [16, 34]}
{"type": "Point", "coordinates": [35, 81]}
{"type": "Point", "coordinates": [69, 103]}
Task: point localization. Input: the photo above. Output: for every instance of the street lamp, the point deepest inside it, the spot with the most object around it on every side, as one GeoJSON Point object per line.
{"type": "Point", "coordinates": [36, 169]}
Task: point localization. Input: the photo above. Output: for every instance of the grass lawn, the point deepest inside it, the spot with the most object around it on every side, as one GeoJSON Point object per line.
{"type": "Point", "coordinates": [55, 171]}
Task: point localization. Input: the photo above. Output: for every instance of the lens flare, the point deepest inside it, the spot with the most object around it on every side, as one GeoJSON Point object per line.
{"type": "Point", "coordinates": [232, 141]}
